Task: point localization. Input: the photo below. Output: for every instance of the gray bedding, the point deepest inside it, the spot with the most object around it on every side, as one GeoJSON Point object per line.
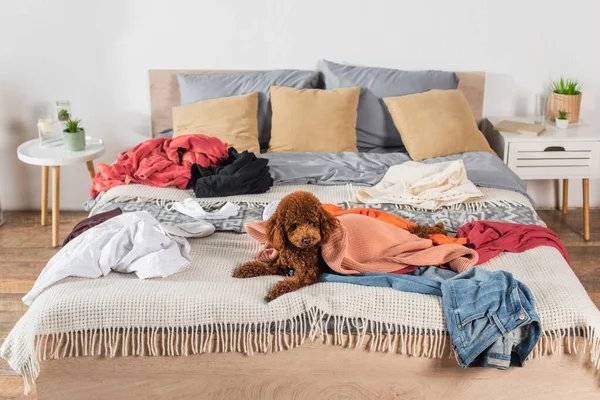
{"type": "Point", "coordinates": [483, 169]}
{"type": "Point", "coordinates": [452, 219]}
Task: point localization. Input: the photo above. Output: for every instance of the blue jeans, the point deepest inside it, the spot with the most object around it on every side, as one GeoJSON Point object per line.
{"type": "Point", "coordinates": [490, 316]}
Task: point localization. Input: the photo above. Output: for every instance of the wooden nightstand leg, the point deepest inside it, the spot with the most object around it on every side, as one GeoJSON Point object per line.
{"type": "Point", "coordinates": [91, 170]}
{"type": "Point", "coordinates": [565, 202]}
{"type": "Point", "coordinates": [45, 171]}
{"type": "Point", "coordinates": [55, 204]}
{"type": "Point", "coordinates": [586, 209]}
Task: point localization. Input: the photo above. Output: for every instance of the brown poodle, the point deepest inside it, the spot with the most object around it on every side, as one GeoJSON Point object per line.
{"type": "Point", "coordinates": [296, 231]}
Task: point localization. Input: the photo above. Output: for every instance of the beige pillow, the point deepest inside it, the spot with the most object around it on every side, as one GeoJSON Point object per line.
{"type": "Point", "coordinates": [436, 123]}
{"type": "Point", "coordinates": [313, 119]}
{"type": "Point", "coordinates": [233, 120]}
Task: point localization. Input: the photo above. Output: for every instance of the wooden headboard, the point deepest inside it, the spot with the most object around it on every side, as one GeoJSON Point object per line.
{"type": "Point", "coordinates": [164, 93]}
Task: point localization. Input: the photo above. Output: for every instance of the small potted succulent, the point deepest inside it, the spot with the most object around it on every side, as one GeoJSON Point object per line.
{"type": "Point", "coordinates": [74, 135]}
{"type": "Point", "coordinates": [566, 96]}
{"type": "Point", "coordinates": [63, 115]}
{"type": "Point", "coordinates": [561, 120]}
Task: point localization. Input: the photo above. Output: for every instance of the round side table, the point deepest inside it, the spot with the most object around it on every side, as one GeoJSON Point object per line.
{"type": "Point", "coordinates": [55, 156]}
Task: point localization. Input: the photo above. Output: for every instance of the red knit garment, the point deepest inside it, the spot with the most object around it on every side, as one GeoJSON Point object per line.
{"type": "Point", "coordinates": [160, 162]}
{"type": "Point", "coordinates": [489, 238]}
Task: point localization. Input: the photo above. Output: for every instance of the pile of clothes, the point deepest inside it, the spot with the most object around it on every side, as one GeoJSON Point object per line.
{"type": "Point", "coordinates": [196, 161]}
{"type": "Point", "coordinates": [133, 242]}
{"type": "Point", "coordinates": [372, 241]}
{"type": "Point", "coordinates": [240, 173]}
{"type": "Point", "coordinates": [422, 185]}
{"type": "Point", "coordinates": [487, 326]}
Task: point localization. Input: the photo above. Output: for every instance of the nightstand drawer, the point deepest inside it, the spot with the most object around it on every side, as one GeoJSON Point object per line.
{"type": "Point", "coordinates": [549, 160]}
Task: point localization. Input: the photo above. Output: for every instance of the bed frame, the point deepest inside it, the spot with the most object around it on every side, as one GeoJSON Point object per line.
{"type": "Point", "coordinates": [315, 370]}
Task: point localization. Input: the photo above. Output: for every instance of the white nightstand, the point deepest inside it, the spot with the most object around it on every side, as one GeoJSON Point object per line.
{"type": "Point", "coordinates": [31, 152]}
{"type": "Point", "coordinates": [555, 154]}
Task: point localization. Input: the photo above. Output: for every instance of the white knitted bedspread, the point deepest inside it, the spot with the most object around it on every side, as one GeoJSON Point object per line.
{"type": "Point", "coordinates": [204, 299]}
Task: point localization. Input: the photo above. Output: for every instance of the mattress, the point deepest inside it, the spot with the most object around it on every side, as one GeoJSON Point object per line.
{"type": "Point", "coordinates": [203, 309]}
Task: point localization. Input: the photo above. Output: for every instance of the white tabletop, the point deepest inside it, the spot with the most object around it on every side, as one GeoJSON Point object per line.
{"type": "Point", "coordinates": [31, 152]}
{"type": "Point", "coordinates": [577, 132]}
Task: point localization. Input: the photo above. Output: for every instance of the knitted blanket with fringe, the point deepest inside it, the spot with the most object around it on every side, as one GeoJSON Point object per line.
{"type": "Point", "coordinates": [203, 309]}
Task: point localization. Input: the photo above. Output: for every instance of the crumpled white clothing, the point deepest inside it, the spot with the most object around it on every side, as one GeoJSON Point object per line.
{"type": "Point", "coordinates": [197, 229]}
{"type": "Point", "coordinates": [420, 185]}
{"type": "Point", "coordinates": [270, 209]}
{"type": "Point", "coordinates": [130, 242]}
{"type": "Point", "coordinates": [190, 207]}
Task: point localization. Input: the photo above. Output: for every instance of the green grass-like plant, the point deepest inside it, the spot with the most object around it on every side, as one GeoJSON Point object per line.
{"type": "Point", "coordinates": [567, 86]}
{"type": "Point", "coordinates": [73, 126]}
{"type": "Point", "coordinates": [562, 114]}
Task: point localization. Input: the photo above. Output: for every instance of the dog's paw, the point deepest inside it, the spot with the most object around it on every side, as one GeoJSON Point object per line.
{"type": "Point", "coordinates": [275, 293]}
{"type": "Point", "coordinates": [251, 269]}
{"type": "Point", "coordinates": [240, 272]}
{"type": "Point", "coordinates": [272, 296]}
{"type": "Point", "coordinates": [281, 288]}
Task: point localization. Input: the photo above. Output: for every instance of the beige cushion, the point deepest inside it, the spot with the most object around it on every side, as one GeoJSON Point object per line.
{"type": "Point", "coordinates": [231, 119]}
{"type": "Point", "coordinates": [436, 123]}
{"type": "Point", "coordinates": [313, 119]}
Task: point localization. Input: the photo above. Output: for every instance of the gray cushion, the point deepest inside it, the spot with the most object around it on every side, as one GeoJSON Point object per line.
{"type": "Point", "coordinates": [374, 125]}
{"type": "Point", "coordinates": [194, 88]}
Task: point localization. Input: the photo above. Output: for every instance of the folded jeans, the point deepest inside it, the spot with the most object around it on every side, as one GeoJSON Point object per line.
{"type": "Point", "coordinates": [490, 316]}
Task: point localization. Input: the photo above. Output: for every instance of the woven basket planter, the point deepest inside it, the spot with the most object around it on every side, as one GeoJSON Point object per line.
{"type": "Point", "coordinates": [564, 102]}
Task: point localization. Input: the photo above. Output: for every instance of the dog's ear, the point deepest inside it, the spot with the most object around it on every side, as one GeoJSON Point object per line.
{"type": "Point", "coordinates": [276, 231]}
{"type": "Point", "coordinates": [328, 223]}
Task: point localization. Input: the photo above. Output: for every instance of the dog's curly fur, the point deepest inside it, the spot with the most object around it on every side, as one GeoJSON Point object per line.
{"type": "Point", "coordinates": [296, 231]}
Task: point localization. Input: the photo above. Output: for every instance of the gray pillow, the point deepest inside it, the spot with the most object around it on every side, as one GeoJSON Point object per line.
{"type": "Point", "coordinates": [374, 125]}
{"type": "Point", "coordinates": [194, 88]}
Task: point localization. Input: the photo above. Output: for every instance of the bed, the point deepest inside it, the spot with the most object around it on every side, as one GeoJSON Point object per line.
{"type": "Point", "coordinates": [203, 334]}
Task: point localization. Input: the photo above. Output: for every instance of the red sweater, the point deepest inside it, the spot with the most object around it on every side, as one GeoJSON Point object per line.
{"type": "Point", "coordinates": [491, 238]}
{"type": "Point", "coordinates": [160, 162]}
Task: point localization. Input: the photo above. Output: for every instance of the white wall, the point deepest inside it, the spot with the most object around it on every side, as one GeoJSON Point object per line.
{"type": "Point", "coordinates": [96, 54]}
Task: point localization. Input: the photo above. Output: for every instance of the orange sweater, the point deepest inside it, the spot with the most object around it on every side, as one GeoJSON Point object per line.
{"type": "Point", "coordinates": [395, 220]}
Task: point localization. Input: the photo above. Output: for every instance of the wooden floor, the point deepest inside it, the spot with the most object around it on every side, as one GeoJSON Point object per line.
{"type": "Point", "coordinates": [25, 249]}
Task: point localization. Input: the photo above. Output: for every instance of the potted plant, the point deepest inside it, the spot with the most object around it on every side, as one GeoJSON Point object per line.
{"type": "Point", "coordinates": [74, 135]}
{"type": "Point", "coordinates": [566, 96]}
{"type": "Point", "coordinates": [561, 120]}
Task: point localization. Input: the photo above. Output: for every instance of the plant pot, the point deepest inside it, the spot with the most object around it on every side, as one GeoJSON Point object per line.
{"type": "Point", "coordinates": [562, 123]}
{"type": "Point", "coordinates": [74, 141]}
{"type": "Point", "coordinates": [564, 102]}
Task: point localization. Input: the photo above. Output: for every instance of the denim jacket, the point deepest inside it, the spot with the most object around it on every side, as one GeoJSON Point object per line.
{"type": "Point", "coordinates": [490, 316]}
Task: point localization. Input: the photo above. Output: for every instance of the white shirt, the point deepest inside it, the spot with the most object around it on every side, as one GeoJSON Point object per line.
{"type": "Point", "coordinates": [130, 242]}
